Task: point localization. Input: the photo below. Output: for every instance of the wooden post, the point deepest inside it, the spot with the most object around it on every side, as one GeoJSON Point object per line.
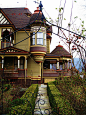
{"type": "Point", "coordinates": [2, 62]}
{"type": "Point", "coordinates": [63, 65]}
{"type": "Point", "coordinates": [18, 62]}
{"type": "Point", "coordinates": [69, 64]}
{"type": "Point", "coordinates": [25, 69]}
{"type": "Point", "coordinates": [57, 64]}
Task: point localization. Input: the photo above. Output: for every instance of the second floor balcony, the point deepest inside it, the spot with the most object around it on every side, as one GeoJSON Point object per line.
{"type": "Point", "coordinates": [6, 44]}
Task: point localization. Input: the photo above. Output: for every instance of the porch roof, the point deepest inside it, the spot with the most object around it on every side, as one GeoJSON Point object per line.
{"type": "Point", "coordinates": [59, 51]}
{"type": "Point", "coordinates": [12, 50]}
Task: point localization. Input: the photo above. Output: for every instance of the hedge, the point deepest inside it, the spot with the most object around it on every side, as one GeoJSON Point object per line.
{"type": "Point", "coordinates": [59, 104]}
{"type": "Point", "coordinates": [29, 97]}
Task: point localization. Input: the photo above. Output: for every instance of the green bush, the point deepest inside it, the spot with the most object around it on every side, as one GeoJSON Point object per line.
{"type": "Point", "coordinates": [28, 106]}
{"type": "Point", "coordinates": [6, 87]}
{"type": "Point", "coordinates": [16, 102]}
{"type": "Point", "coordinates": [59, 104]}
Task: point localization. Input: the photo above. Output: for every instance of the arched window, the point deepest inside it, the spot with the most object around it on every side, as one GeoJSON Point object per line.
{"type": "Point", "coordinates": [5, 33]}
{"type": "Point", "coordinates": [7, 39]}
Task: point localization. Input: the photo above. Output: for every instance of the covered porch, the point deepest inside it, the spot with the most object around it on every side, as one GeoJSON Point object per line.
{"type": "Point", "coordinates": [56, 64]}
{"type": "Point", "coordinates": [13, 63]}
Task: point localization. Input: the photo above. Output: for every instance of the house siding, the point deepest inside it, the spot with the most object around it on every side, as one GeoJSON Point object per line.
{"type": "Point", "coordinates": [48, 46]}
{"type": "Point", "coordinates": [25, 45]}
{"type": "Point", "coordinates": [33, 69]}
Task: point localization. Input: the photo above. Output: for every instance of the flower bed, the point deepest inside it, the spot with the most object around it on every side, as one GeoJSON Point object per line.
{"type": "Point", "coordinates": [28, 99]}
{"type": "Point", "coordinates": [59, 104]}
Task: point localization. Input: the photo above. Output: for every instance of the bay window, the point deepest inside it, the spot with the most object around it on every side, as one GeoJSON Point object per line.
{"type": "Point", "coordinates": [38, 39]}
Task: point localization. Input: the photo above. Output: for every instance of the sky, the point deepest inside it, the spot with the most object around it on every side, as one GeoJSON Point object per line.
{"type": "Point", "coordinates": [51, 9]}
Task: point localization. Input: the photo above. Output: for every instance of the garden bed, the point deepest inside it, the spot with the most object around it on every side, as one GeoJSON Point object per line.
{"type": "Point", "coordinates": [10, 93]}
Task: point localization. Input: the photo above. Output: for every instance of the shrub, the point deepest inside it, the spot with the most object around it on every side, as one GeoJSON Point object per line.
{"type": "Point", "coordinates": [16, 102]}
{"type": "Point", "coordinates": [26, 108]}
{"type": "Point", "coordinates": [6, 87]}
{"type": "Point", "coordinates": [59, 104]}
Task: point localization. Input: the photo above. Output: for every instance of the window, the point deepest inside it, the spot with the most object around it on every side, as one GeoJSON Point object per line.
{"type": "Point", "coordinates": [45, 39]}
{"type": "Point", "coordinates": [39, 38]}
{"type": "Point", "coordinates": [33, 38]}
{"type": "Point", "coordinates": [7, 39]}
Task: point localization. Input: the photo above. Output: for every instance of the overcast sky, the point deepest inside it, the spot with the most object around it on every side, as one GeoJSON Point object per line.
{"type": "Point", "coordinates": [78, 9]}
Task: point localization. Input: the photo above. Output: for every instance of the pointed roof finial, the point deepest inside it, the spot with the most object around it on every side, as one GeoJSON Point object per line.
{"type": "Point", "coordinates": [59, 43]}
{"type": "Point", "coordinates": [26, 3]}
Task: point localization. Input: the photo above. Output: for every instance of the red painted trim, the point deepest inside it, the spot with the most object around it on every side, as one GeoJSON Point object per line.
{"type": "Point", "coordinates": [39, 54]}
{"type": "Point", "coordinates": [25, 8]}
{"type": "Point", "coordinates": [38, 51]}
{"type": "Point", "coordinates": [59, 46]}
{"type": "Point", "coordinates": [16, 52]}
{"type": "Point", "coordinates": [1, 69]}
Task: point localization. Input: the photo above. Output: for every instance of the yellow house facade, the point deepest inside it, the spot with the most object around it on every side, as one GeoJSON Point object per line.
{"type": "Point", "coordinates": [25, 47]}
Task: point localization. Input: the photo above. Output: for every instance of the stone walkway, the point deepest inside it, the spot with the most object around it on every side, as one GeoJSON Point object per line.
{"type": "Point", "coordinates": [42, 106]}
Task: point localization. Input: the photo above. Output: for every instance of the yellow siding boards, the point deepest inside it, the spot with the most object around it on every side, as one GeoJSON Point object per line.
{"type": "Point", "coordinates": [48, 80]}
{"type": "Point", "coordinates": [33, 69]}
{"type": "Point", "coordinates": [0, 38]}
{"type": "Point", "coordinates": [48, 46]}
{"type": "Point", "coordinates": [24, 44]}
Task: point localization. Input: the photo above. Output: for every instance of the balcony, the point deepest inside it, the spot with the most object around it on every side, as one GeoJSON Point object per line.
{"type": "Point", "coordinates": [5, 44]}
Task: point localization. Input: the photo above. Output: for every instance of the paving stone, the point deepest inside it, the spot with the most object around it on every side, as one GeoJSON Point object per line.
{"type": "Point", "coordinates": [42, 101]}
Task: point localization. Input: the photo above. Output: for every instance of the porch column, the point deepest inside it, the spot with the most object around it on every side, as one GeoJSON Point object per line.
{"type": "Point", "coordinates": [25, 68]}
{"type": "Point", "coordinates": [63, 64]}
{"type": "Point", "coordinates": [18, 62]}
{"type": "Point", "coordinates": [10, 40]}
{"type": "Point", "coordinates": [2, 62]}
{"type": "Point", "coordinates": [69, 64]}
{"type": "Point", "coordinates": [57, 64]}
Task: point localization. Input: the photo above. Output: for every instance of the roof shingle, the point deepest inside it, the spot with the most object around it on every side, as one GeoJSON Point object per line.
{"type": "Point", "coordinates": [18, 16]}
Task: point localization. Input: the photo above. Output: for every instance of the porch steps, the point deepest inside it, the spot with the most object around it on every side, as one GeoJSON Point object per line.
{"type": "Point", "coordinates": [42, 106]}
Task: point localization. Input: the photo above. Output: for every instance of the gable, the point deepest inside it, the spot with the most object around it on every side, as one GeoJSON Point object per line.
{"type": "Point", "coordinates": [3, 19]}
{"type": "Point", "coordinates": [12, 50]}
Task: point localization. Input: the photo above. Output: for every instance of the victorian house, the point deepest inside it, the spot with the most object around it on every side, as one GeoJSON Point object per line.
{"type": "Point", "coordinates": [25, 48]}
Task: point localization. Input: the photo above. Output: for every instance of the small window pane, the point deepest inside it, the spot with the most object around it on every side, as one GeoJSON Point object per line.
{"type": "Point", "coordinates": [33, 35]}
{"type": "Point", "coordinates": [45, 39]}
{"type": "Point", "coordinates": [39, 35]}
{"type": "Point", "coordinates": [39, 41]}
{"type": "Point", "coordinates": [33, 41]}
